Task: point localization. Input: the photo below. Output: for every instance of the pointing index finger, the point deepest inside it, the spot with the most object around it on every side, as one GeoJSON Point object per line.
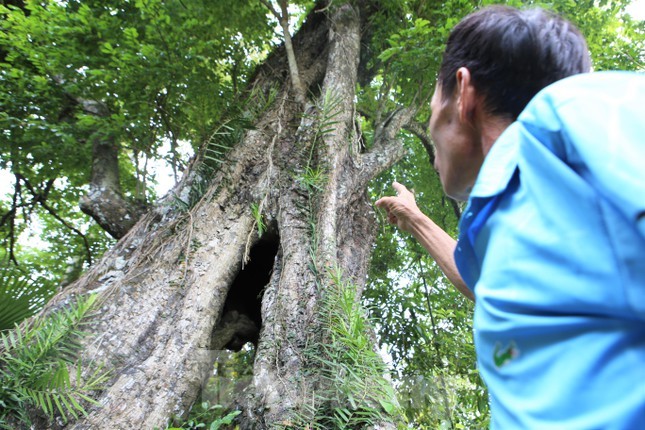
{"type": "Point", "coordinates": [399, 188]}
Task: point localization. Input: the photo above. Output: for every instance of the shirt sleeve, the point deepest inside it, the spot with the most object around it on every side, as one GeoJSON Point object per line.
{"type": "Point", "coordinates": [596, 124]}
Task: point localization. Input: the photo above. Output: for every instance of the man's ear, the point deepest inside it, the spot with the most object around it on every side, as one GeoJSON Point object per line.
{"type": "Point", "coordinates": [466, 96]}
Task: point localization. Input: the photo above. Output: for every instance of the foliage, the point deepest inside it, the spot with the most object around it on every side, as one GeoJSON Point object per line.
{"type": "Point", "coordinates": [40, 367]}
{"type": "Point", "coordinates": [20, 295]}
{"type": "Point", "coordinates": [162, 72]}
{"type": "Point", "coordinates": [323, 122]}
{"type": "Point", "coordinates": [354, 391]}
{"type": "Point", "coordinates": [256, 211]}
{"type": "Point", "coordinates": [615, 40]}
{"type": "Point", "coordinates": [208, 417]}
{"type": "Point", "coordinates": [328, 107]}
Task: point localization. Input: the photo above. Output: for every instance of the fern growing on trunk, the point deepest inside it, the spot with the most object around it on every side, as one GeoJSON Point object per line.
{"type": "Point", "coordinates": [40, 367]}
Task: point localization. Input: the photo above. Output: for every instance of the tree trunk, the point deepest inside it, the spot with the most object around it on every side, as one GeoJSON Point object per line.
{"type": "Point", "coordinates": [104, 201]}
{"type": "Point", "coordinates": [173, 290]}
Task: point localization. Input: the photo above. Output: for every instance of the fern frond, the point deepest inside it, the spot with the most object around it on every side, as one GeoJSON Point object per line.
{"type": "Point", "coordinates": [329, 107]}
{"type": "Point", "coordinates": [20, 296]}
{"type": "Point", "coordinates": [36, 361]}
{"type": "Point", "coordinates": [355, 393]}
{"type": "Point", "coordinates": [256, 211]}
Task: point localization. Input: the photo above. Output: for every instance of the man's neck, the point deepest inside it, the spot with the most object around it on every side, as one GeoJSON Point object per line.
{"type": "Point", "coordinates": [490, 129]}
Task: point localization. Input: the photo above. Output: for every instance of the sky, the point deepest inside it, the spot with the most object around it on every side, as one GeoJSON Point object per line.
{"type": "Point", "coordinates": [637, 9]}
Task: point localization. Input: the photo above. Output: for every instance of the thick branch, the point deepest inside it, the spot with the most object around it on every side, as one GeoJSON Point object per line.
{"type": "Point", "coordinates": [387, 149]}
{"type": "Point", "coordinates": [455, 207]}
{"type": "Point", "coordinates": [104, 201]}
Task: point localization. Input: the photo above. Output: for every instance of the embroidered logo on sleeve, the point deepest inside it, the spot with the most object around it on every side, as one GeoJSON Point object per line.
{"type": "Point", "coordinates": [501, 357]}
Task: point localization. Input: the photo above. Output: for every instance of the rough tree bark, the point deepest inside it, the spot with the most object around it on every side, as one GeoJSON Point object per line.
{"type": "Point", "coordinates": [164, 286]}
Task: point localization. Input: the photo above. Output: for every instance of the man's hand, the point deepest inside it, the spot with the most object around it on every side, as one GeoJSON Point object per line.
{"type": "Point", "coordinates": [402, 210]}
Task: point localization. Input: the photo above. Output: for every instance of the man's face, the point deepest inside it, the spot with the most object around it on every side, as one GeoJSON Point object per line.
{"type": "Point", "coordinates": [458, 155]}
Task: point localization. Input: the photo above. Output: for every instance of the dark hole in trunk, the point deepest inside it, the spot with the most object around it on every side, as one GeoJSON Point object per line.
{"type": "Point", "coordinates": [241, 317]}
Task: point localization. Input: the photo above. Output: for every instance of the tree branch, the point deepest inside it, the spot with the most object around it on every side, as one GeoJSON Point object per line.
{"type": "Point", "coordinates": [283, 19]}
{"type": "Point", "coordinates": [104, 201]}
{"type": "Point", "coordinates": [38, 197]}
{"type": "Point", "coordinates": [384, 135]}
{"type": "Point", "coordinates": [386, 149]}
{"type": "Point", "coordinates": [71, 227]}
{"type": "Point", "coordinates": [339, 86]}
{"type": "Point", "coordinates": [419, 130]}
{"type": "Point", "coordinates": [271, 9]}
{"type": "Point", "coordinates": [455, 207]}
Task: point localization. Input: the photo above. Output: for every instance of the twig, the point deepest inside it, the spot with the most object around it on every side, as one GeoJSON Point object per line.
{"type": "Point", "coordinates": [325, 8]}
{"type": "Point", "coordinates": [71, 227]}
{"type": "Point", "coordinates": [271, 8]}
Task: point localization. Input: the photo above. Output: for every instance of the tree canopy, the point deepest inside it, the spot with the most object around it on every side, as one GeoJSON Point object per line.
{"type": "Point", "coordinates": [149, 78]}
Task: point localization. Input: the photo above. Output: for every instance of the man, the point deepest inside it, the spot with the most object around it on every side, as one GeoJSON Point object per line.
{"type": "Point", "coordinates": [552, 242]}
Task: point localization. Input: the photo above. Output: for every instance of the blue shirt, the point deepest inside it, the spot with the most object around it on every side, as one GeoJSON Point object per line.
{"type": "Point", "coordinates": [553, 245]}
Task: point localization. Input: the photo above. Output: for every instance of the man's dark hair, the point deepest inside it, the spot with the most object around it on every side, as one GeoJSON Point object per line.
{"type": "Point", "coordinates": [512, 54]}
